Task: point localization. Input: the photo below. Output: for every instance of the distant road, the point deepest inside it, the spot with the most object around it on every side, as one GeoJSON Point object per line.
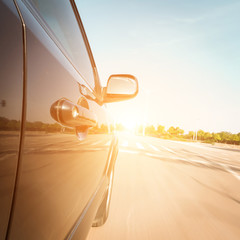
{"type": "Point", "coordinates": [173, 190]}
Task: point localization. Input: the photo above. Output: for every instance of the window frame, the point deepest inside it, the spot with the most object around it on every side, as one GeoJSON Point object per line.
{"type": "Point", "coordinates": [96, 88]}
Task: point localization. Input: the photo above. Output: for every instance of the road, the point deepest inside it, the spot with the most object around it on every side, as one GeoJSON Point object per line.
{"type": "Point", "coordinates": [173, 190]}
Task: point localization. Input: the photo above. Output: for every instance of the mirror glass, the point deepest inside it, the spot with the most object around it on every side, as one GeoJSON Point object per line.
{"type": "Point", "coordinates": [124, 85]}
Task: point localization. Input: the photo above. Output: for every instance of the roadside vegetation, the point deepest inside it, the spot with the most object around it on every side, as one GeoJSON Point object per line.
{"type": "Point", "coordinates": [176, 133]}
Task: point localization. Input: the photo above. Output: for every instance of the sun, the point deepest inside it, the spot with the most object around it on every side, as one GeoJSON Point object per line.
{"type": "Point", "coordinates": [127, 117]}
{"type": "Point", "coordinates": [129, 123]}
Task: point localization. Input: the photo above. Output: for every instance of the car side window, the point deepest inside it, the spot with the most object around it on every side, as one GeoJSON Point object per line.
{"type": "Point", "coordinates": [60, 18]}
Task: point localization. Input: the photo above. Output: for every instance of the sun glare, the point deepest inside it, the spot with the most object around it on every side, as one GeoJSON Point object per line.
{"type": "Point", "coordinates": [127, 117]}
{"type": "Point", "coordinates": [129, 124]}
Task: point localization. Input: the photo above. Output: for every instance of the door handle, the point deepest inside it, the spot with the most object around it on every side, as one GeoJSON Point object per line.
{"type": "Point", "coordinates": [72, 115]}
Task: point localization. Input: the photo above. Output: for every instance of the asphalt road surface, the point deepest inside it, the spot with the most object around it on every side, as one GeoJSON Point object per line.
{"type": "Point", "coordinates": [173, 190]}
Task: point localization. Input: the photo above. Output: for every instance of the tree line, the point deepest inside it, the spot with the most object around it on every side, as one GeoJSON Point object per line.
{"type": "Point", "coordinates": [178, 133]}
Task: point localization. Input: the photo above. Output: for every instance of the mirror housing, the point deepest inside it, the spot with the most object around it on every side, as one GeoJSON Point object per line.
{"type": "Point", "coordinates": [120, 87]}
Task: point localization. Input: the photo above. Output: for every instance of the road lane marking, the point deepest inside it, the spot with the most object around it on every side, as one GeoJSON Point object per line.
{"type": "Point", "coordinates": [153, 147]}
{"type": "Point", "coordinates": [139, 145]}
{"type": "Point", "coordinates": [95, 149]}
{"type": "Point", "coordinates": [178, 159]}
{"type": "Point", "coordinates": [234, 174]}
{"type": "Point", "coordinates": [198, 161]}
{"type": "Point", "coordinates": [96, 143]}
{"type": "Point", "coordinates": [107, 143]}
{"type": "Point", "coordinates": [193, 144]}
{"type": "Point", "coordinates": [212, 156]}
{"type": "Point", "coordinates": [191, 160]}
{"type": "Point", "coordinates": [168, 149]}
{"type": "Point", "coordinates": [229, 170]}
{"type": "Point", "coordinates": [153, 155]}
{"type": "Point", "coordinates": [82, 142]}
{"type": "Point", "coordinates": [128, 151]}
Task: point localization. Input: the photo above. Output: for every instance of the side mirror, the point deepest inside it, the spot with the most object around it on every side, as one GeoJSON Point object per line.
{"type": "Point", "coordinates": [120, 87]}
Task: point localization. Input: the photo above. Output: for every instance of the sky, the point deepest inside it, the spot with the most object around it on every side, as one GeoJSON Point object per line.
{"type": "Point", "coordinates": [185, 54]}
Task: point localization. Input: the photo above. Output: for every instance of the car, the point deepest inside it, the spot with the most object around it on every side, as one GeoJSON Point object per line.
{"type": "Point", "coordinates": [57, 145]}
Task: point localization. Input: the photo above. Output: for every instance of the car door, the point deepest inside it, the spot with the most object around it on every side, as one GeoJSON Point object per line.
{"type": "Point", "coordinates": [11, 93]}
{"type": "Point", "coordinates": [61, 174]}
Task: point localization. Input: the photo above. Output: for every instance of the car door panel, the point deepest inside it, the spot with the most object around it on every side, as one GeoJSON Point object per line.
{"type": "Point", "coordinates": [11, 94]}
{"type": "Point", "coordinates": [58, 174]}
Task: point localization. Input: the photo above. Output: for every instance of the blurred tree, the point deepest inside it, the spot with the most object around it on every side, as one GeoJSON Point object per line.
{"type": "Point", "coordinates": [160, 129]}
{"type": "Point", "coordinates": [180, 131]}
{"type": "Point", "coordinates": [175, 131]}
{"type": "Point", "coordinates": [207, 136]}
{"type": "Point", "coordinates": [225, 137]}
{"type": "Point", "coordinates": [235, 139]}
{"type": "Point", "coordinates": [216, 137]}
{"type": "Point", "coordinates": [190, 135]}
{"type": "Point", "coordinates": [171, 130]}
{"type": "Point", "coordinates": [150, 130]}
{"type": "Point", "coordinates": [200, 134]}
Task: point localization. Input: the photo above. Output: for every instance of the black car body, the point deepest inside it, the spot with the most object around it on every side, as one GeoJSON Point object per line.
{"type": "Point", "coordinates": [57, 146]}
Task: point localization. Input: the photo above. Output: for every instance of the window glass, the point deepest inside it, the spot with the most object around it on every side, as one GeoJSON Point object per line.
{"type": "Point", "coordinates": [59, 16]}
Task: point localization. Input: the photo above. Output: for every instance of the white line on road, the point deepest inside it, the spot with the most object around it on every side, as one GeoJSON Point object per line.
{"type": "Point", "coordinates": [81, 142]}
{"type": "Point", "coordinates": [139, 145]}
{"type": "Point", "coordinates": [212, 156]}
{"type": "Point", "coordinates": [153, 147]}
{"type": "Point", "coordinates": [191, 160]}
{"type": "Point", "coordinates": [152, 155]}
{"type": "Point", "coordinates": [193, 144]}
{"type": "Point", "coordinates": [96, 143]}
{"type": "Point", "coordinates": [107, 143]}
{"type": "Point", "coordinates": [177, 158]}
{"type": "Point", "coordinates": [168, 149]}
{"type": "Point", "coordinates": [230, 171]}
{"type": "Point", "coordinates": [128, 151]}
{"type": "Point", "coordinates": [197, 161]}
